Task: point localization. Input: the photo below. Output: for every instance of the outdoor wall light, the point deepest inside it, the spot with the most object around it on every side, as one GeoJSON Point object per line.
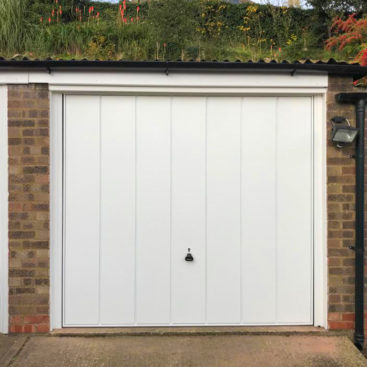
{"type": "Point", "coordinates": [342, 133]}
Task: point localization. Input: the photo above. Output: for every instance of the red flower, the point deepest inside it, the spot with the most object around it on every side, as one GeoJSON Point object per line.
{"type": "Point", "coordinates": [53, 12]}
{"type": "Point", "coordinates": [41, 19]}
{"type": "Point", "coordinates": [124, 3]}
{"type": "Point", "coordinates": [49, 19]}
{"type": "Point", "coordinates": [132, 19]}
{"type": "Point", "coordinates": [364, 58]}
{"type": "Point", "coordinates": [138, 8]}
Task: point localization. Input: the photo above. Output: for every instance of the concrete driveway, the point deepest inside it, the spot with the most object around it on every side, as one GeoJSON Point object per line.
{"type": "Point", "coordinates": [209, 350]}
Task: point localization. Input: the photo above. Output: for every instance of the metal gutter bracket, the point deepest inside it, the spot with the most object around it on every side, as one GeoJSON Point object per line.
{"type": "Point", "coordinates": [167, 66]}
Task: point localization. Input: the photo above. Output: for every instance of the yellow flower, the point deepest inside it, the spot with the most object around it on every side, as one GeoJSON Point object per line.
{"type": "Point", "coordinates": [251, 9]}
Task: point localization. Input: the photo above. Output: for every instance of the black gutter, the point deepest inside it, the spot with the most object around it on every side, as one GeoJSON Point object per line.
{"type": "Point", "coordinates": [331, 67]}
{"type": "Point", "coordinates": [359, 99]}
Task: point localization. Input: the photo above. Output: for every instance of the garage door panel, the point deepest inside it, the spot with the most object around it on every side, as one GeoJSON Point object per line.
{"type": "Point", "coordinates": [223, 210]}
{"type": "Point", "coordinates": [117, 253]}
{"type": "Point", "coordinates": [188, 209]}
{"type": "Point", "coordinates": [294, 208]}
{"type": "Point", "coordinates": [153, 209]}
{"type": "Point", "coordinates": [259, 124]}
{"type": "Point", "coordinates": [82, 210]}
{"type": "Point", "coordinates": [147, 177]}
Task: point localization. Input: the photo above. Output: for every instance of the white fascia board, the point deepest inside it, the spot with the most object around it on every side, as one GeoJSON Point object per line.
{"type": "Point", "coordinates": [7, 77]}
{"type": "Point", "coordinates": [173, 79]}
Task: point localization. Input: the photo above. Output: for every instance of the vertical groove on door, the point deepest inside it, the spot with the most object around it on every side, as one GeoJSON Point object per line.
{"type": "Point", "coordinates": [206, 210]}
{"type": "Point", "coordinates": [63, 205]}
{"type": "Point", "coordinates": [276, 206]}
{"type": "Point", "coordinates": [312, 220]}
{"type": "Point", "coordinates": [136, 207]}
{"type": "Point", "coordinates": [241, 210]}
{"type": "Point", "coordinates": [170, 225]}
{"type": "Point", "coordinates": [100, 213]}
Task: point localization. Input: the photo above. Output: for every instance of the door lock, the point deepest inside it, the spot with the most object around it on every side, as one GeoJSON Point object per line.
{"type": "Point", "coordinates": [189, 257]}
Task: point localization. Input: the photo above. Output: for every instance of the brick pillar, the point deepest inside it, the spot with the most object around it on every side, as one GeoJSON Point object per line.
{"type": "Point", "coordinates": [341, 214]}
{"type": "Point", "coordinates": [28, 112]}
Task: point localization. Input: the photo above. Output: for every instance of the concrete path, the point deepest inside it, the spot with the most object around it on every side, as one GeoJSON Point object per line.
{"type": "Point", "coordinates": [165, 351]}
{"type": "Point", "coordinates": [10, 347]}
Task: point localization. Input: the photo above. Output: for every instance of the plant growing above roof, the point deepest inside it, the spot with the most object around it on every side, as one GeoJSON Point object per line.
{"type": "Point", "coordinates": [15, 25]}
{"type": "Point", "coordinates": [351, 37]}
{"type": "Point", "coordinates": [159, 29]}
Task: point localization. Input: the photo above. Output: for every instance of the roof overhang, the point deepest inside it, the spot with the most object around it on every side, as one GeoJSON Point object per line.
{"type": "Point", "coordinates": [330, 67]}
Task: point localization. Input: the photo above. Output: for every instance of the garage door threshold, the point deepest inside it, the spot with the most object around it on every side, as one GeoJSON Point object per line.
{"type": "Point", "coordinates": [163, 331]}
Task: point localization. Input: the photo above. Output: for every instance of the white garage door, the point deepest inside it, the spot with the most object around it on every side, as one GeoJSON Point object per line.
{"type": "Point", "coordinates": [146, 178]}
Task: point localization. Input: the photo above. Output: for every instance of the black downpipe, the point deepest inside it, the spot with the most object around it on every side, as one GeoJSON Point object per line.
{"type": "Point", "coordinates": [359, 261]}
{"type": "Point", "coordinates": [359, 99]}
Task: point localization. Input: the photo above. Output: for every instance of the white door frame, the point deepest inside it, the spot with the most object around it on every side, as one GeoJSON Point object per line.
{"type": "Point", "coordinates": [4, 197]}
{"type": "Point", "coordinates": [318, 94]}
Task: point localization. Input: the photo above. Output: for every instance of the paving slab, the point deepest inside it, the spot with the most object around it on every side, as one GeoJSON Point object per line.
{"type": "Point", "coordinates": [190, 351]}
{"type": "Point", "coordinates": [10, 347]}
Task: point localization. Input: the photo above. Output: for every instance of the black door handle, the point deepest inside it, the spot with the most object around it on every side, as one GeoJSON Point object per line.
{"type": "Point", "coordinates": [189, 257]}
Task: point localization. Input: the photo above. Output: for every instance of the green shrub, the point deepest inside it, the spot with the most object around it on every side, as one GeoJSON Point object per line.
{"type": "Point", "coordinates": [175, 24]}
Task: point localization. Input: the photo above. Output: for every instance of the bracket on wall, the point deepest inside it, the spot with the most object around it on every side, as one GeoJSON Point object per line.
{"type": "Point", "coordinates": [293, 72]}
{"type": "Point", "coordinates": [166, 71]}
{"type": "Point", "coordinates": [353, 248]}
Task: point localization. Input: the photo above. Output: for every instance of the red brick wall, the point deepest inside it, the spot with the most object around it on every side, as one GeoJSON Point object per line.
{"type": "Point", "coordinates": [28, 112]}
{"type": "Point", "coordinates": [341, 214]}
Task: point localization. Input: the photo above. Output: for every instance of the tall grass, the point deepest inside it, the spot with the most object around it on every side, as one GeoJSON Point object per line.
{"type": "Point", "coordinates": [102, 40]}
{"type": "Point", "coordinates": [15, 26]}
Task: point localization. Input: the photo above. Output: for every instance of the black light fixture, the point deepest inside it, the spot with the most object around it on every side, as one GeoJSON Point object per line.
{"type": "Point", "coordinates": [342, 133]}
